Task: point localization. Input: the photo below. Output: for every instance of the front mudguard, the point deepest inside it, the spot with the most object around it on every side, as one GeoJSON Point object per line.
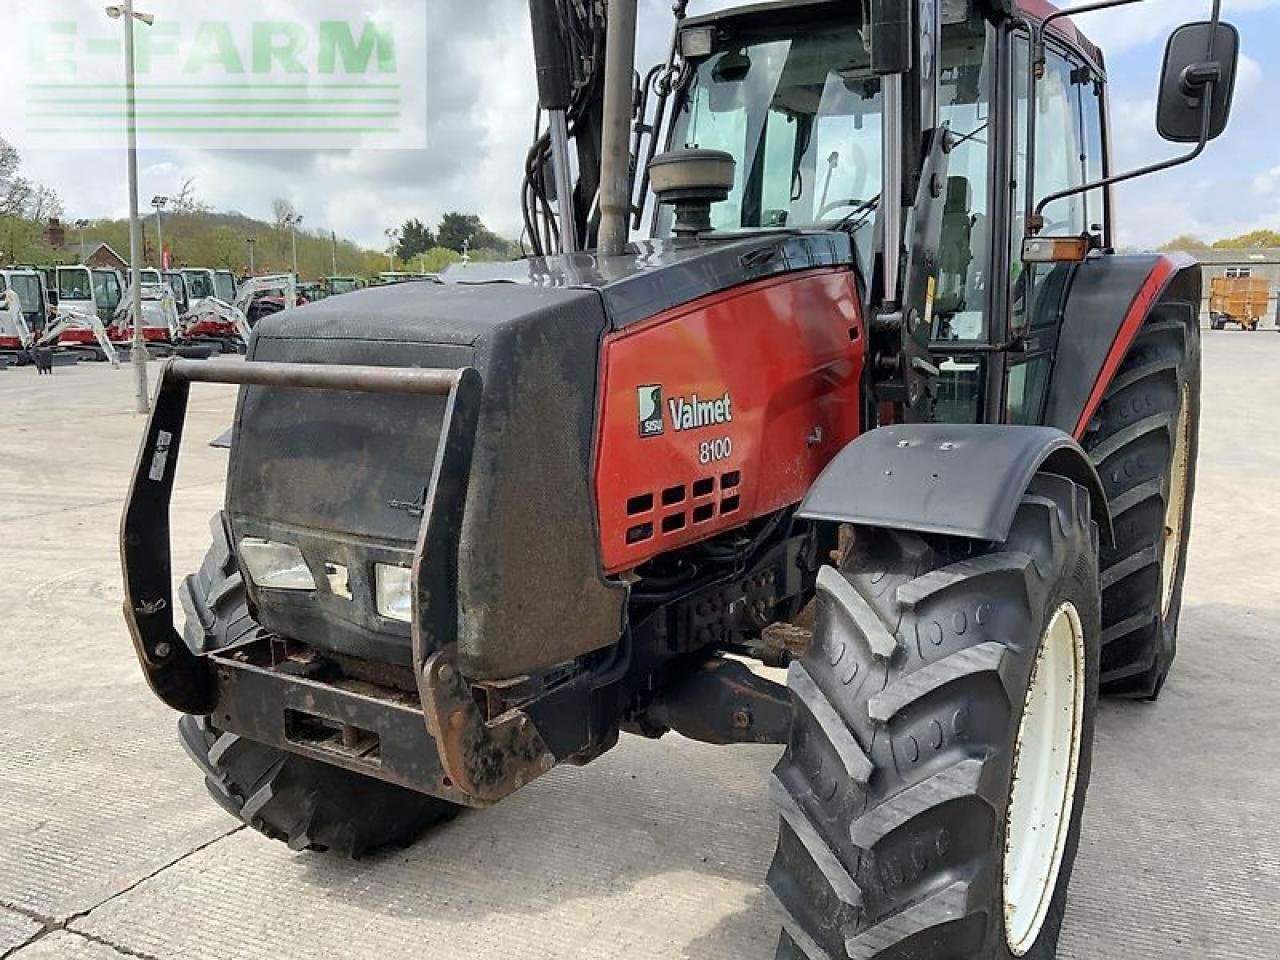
{"type": "Point", "coordinates": [962, 480]}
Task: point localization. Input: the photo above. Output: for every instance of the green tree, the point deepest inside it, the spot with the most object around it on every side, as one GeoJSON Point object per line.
{"type": "Point", "coordinates": [20, 197]}
{"type": "Point", "coordinates": [1257, 240]}
{"type": "Point", "coordinates": [458, 228]}
{"type": "Point", "coordinates": [22, 241]}
{"type": "Point", "coordinates": [415, 238]}
{"type": "Point", "coordinates": [1185, 241]}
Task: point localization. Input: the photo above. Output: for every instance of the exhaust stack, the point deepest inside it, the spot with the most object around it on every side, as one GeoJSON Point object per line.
{"type": "Point", "coordinates": [615, 162]}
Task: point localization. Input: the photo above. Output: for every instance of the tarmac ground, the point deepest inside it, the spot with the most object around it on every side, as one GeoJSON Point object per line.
{"type": "Point", "coordinates": [110, 847]}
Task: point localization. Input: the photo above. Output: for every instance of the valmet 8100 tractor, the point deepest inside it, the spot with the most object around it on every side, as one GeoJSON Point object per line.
{"type": "Point", "coordinates": [875, 399]}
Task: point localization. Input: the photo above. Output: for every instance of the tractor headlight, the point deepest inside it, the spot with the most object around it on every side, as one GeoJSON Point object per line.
{"type": "Point", "coordinates": [279, 566]}
{"type": "Point", "coordinates": [392, 589]}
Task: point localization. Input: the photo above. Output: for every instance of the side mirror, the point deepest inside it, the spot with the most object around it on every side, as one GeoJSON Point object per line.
{"type": "Point", "coordinates": [1199, 77]}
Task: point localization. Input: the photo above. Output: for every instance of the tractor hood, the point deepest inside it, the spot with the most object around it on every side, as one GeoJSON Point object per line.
{"type": "Point", "coordinates": [659, 275]}
{"type": "Point", "coordinates": [343, 476]}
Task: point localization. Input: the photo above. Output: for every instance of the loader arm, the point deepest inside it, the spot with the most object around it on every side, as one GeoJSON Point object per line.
{"type": "Point", "coordinates": [67, 319]}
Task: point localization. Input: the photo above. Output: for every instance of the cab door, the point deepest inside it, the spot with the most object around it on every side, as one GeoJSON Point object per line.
{"type": "Point", "coordinates": [1070, 151]}
{"type": "Point", "coordinates": [960, 331]}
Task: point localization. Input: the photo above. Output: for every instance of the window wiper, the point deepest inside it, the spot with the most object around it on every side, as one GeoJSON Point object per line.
{"type": "Point", "coordinates": [856, 217]}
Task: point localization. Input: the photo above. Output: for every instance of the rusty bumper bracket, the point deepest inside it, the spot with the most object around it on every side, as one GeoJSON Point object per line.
{"type": "Point", "coordinates": [483, 761]}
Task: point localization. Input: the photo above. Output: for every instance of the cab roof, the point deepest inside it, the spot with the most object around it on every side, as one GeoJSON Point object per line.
{"type": "Point", "coordinates": [1035, 9]}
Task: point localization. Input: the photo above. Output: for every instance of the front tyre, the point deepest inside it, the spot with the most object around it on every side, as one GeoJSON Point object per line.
{"type": "Point", "coordinates": [305, 803]}
{"type": "Point", "coordinates": [932, 790]}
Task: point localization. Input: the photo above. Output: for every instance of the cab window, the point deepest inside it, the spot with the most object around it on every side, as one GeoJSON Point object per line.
{"type": "Point", "coordinates": [199, 285]}
{"type": "Point", "coordinates": [800, 113]}
{"type": "Point", "coordinates": [964, 91]}
{"type": "Point", "coordinates": [960, 305]}
{"type": "Point", "coordinates": [106, 289]}
{"type": "Point", "coordinates": [225, 284]}
{"type": "Point", "coordinates": [28, 291]}
{"type": "Point", "coordinates": [74, 284]}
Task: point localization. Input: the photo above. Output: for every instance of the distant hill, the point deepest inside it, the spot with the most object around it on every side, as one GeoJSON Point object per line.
{"type": "Point", "coordinates": [221, 240]}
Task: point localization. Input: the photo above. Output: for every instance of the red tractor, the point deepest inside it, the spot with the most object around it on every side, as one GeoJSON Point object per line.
{"type": "Point", "coordinates": [875, 400]}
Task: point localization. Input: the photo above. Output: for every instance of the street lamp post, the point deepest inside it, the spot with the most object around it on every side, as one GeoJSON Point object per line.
{"type": "Point", "coordinates": [160, 203]}
{"type": "Point", "coordinates": [80, 225]}
{"type": "Point", "coordinates": [392, 237]}
{"type": "Point", "coordinates": [127, 14]}
{"type": "Point", "coordinates": [333, 241]}
{"type": "Point", "coordinates": [252, 242]}
{"type": "Point", "coordinates": [294, 221]}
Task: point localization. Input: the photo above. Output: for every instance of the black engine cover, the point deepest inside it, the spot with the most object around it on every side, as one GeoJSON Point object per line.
{"type": "Point", "coordinates": [344, 475]}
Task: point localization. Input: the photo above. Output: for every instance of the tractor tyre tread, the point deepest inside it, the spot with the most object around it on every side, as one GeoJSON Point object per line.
{"type": "Point", "coordinates": [1131, 442]}
{"type": "Point", "coordinates": [921, 837]}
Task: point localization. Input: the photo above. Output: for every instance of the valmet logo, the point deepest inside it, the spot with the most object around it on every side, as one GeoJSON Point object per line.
{"type": "Point", "coordinates": [687, 413]}
{"type": "Point", "coordinates": [650, 407]}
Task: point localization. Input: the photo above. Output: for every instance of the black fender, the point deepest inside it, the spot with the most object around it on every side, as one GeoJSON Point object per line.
{"type": "Point", "coordinates": [1107, 301]}
{"type": "Point", "coordinates": [962, 480]}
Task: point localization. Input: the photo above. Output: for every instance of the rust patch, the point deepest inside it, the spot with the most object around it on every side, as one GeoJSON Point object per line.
{"type": "Point", "coordinates": [487, 761]}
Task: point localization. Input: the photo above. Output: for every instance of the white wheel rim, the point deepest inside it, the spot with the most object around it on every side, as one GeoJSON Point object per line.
{"type": "Point", "coordinates": [1176, 507]}
{"type": "Point", "coordinates": [1042, 795]}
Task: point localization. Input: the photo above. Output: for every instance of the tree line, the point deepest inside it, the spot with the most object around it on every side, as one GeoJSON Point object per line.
{"type": "Point", "coordinates": [1256, 240]}
{"type": "Point", "coordinates": [25, 207]}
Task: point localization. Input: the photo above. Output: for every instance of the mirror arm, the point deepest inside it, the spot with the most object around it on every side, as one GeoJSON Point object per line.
{"type": "Point", "coordinates": [1035, 73]}
{"type": "Point", "coordinates": [1037, 217]}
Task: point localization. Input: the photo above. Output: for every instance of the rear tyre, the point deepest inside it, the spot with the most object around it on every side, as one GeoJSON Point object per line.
{"type": "Point", "coordinates": [305, 803]}
{"type": "Point", "coordinates": [928, 667]}
{"type": "Point", "coordinates": [1144, 441]}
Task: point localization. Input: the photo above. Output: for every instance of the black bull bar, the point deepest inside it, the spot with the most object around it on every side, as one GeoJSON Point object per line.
{"type": "Point", "coordinates": [264, 688]}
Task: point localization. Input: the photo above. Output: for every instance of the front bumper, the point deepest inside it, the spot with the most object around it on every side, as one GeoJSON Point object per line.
{"type": "Point", "coordinates": [272, 690]}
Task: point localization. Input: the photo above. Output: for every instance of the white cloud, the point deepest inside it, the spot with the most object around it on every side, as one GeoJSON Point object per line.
{"type": "Point", "coordinates": [1267, 183]}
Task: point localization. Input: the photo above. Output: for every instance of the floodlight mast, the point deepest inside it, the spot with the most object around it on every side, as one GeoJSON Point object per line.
{"type": "Point", "coordinates": [127, 15]}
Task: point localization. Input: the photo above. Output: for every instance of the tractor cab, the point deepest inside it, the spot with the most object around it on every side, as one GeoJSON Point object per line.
{"type": "Point", "coordinates": [791, 92]}
{"type": "Point", "coordinates": [796, 95]}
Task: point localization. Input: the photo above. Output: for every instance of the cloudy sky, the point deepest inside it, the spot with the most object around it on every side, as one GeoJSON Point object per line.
{"type": "Point", "coordinates": [479, 113]}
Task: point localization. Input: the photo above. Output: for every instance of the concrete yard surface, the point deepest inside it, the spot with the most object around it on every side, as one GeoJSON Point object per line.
{"type": "Point", "coordinates": [110, 847]}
